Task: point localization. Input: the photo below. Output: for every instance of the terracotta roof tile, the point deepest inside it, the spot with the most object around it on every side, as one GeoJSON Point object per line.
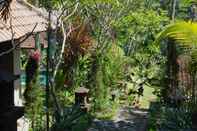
{"type": "Point", "coordinates": [24, 19]}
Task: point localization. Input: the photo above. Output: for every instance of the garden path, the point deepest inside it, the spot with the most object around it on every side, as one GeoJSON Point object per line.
{"type": "Point", "coordinates": [127, 119]}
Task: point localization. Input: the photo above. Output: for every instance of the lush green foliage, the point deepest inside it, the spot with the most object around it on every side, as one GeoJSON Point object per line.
{"type": "Point", "coordinates": [114, 45]}
{"type": "Point", "coordinates": [35, 108]}
{"type": "Point", "coordinates": [184, 34]}
{"type": "Point", "coordinates": [166, 118]}
{"type": "Point", "coordinates": [71, 119]}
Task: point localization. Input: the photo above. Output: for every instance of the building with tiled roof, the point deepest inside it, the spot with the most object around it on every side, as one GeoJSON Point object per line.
{"type": "Point", "coordinates": [22, 20]}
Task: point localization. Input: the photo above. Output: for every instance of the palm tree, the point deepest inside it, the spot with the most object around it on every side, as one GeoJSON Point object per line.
{"type": "Point", "coordinates": [183, 34]}
{"type": "Point", "coordinates": [5, 9]}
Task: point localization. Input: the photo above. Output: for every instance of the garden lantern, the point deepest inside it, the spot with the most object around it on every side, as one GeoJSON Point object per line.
{"type": "Point", "coordinates": [81, 96]}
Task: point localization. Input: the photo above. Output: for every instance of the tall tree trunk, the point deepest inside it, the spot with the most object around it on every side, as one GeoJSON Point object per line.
{"type": "Point", "coordinates": [173, 9]}
{"type": "Point", "coordinates": [172, 69]}
{"type": "Point", "coordinates": [172, 66]}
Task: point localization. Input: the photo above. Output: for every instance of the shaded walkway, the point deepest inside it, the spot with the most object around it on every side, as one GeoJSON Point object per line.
{"type": "Point", "coordinates": [127, 119]}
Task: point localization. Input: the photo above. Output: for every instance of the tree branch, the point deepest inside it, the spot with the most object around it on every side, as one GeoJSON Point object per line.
{"type": "Point", "coordinates": [14, 45]}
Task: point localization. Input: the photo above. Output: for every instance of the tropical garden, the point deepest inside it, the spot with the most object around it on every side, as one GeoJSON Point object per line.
{"type": "Point", "coordinates": [131, 55]}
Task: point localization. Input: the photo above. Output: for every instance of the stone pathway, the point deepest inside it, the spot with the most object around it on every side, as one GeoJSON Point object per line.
{"type": "Point", "coordinates": [127, 119]}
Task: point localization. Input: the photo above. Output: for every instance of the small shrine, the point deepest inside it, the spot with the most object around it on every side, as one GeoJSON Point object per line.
{"type": "Point", "coordinates": [81, 97]}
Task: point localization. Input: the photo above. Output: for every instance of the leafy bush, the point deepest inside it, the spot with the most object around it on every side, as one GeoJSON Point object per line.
{"type": "Point", "coordinates": [164, 118]}
{"type": "Point", "coordinates": [71, 119]}
{"type": "Point", "coordinates": [35, 109]}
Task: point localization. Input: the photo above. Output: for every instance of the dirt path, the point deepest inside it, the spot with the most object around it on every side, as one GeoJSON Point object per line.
{"type": "Point", "coordinates": [127, 119]}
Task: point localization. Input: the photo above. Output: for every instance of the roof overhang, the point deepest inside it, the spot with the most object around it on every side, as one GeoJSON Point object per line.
{"type": "Point", "coordinates": [23, 20]}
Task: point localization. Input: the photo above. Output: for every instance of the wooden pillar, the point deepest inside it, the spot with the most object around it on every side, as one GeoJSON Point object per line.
{"type": "Point", "coordinates": [9, 113]}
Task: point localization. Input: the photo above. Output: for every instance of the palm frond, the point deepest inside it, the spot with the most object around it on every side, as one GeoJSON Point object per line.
{"type": "Point", "coordinates": [5, 9]}
{"type": "Point", "coordinates": [184, 34]}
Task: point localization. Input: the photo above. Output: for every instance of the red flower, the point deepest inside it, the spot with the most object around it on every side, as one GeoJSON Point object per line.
{"type": "Point", "coordinates": [36, 55]}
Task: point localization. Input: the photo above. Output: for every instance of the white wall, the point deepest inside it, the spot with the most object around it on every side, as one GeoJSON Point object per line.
{"type": "Point", "coordinates": [17, 71]}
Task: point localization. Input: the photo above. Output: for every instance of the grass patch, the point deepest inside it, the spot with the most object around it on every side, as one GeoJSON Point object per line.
{"type": "Point", "coordinates": [147, 98]}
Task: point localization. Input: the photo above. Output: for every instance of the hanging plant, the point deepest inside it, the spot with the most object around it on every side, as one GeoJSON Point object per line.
{"type": "Point", "coordinates": [32, 66]}
{"type": "Point", "coordinates": [31, 70]}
